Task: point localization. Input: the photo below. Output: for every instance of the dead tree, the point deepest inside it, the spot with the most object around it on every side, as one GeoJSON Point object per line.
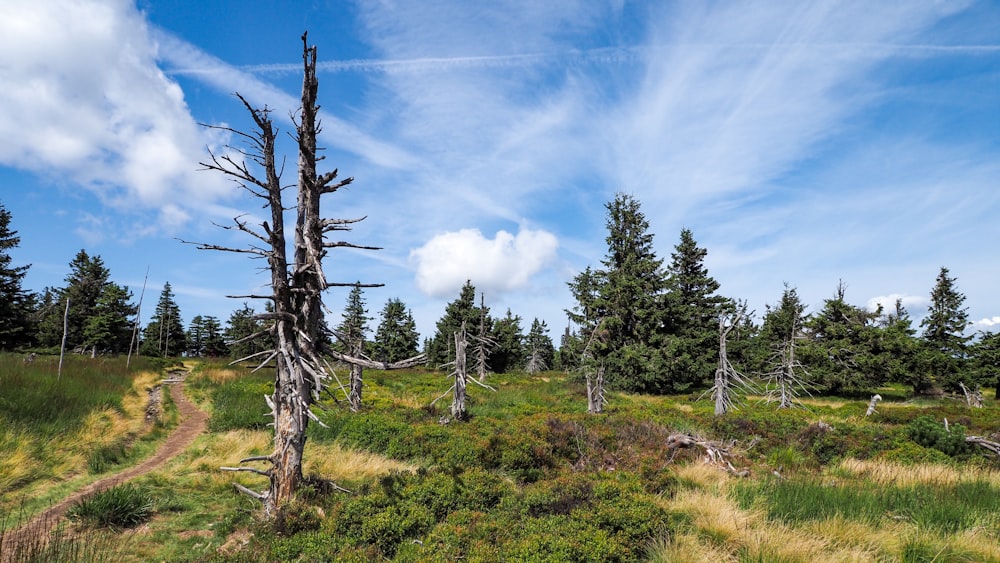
{"type": "Point", "coordinates": [536, 362]}
{"type": "Point", "coordinates": [871, 404]}
{"type": "Point", "coordinates": [973, 397]}
{"type": "Point", "coordinates": [595, 381]}
{"type": "Point", "coordinates": [483, 343]}
{"type": "Point", "coordinates": [297, 282]}
{"type": "Point", "coordinates": [461, 375]}
{"type": "Point", "coordinates": [729, 382]}
{"type": "Point", "coordinates": [784, 384]}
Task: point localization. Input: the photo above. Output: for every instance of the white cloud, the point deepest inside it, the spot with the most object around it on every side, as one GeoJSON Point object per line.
{"type": "Point", "coordinates": [989, 322]}
{"type": "Point", "coordinates": [888, 302]}
{"type": "Point", "coordinates": [504, 263]}
{"type": "Point", "coordinates": [85, 104]}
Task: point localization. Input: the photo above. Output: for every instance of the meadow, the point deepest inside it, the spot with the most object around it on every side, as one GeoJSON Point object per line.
{"type": "Point", "coordinates": [532, 477]}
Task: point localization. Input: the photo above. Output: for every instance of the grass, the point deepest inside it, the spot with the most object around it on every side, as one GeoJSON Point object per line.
{"type": "Point", "coordinates": [93, 423]}
{"type": "Point", "coordinates": [532, 477]}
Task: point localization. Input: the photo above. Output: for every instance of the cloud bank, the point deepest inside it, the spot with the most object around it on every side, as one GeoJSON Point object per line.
{"type": "Point", "coordinates": [504, 263]}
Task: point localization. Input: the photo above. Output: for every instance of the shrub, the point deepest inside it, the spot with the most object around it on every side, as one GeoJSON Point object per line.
{"type": "Point", "coordinates": [929, 433]}
{"type": "Point", "coordinates": [123, 506]}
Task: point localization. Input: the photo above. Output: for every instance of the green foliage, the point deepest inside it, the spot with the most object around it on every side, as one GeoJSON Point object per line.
{"type": "Point", "coordinates": [104, 457]}
{"type": "Point", "coordinates": [123, 506]}
{"type": "Point", "coordinates": [165, 336]}
{"type": "Point", "coordinates": [353, 328]}
{"type": "Point", "coordinates": [15, 319]}
{"type": "Point", "coordinates": [538, 348]}
{"type": "Point", "coordinates": [930, 433]}
{"type": "Point", "coordinates": [508, 354]}
{"type": "Point", "coordinates": [241, 325]}
{"type": "Point", "coordinates": [462, 310]}
{"type": "Point", "coordinates": [944, 333]}
{"type": "Point", "coordinates": [396, 337]}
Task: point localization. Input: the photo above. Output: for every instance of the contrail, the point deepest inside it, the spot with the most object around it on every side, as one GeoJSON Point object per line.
{"type": "Point", "coordinates": [599, 55]}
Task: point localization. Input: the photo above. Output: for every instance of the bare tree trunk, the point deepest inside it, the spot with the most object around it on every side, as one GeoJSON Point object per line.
{"type": "Point", "coordinates": [871, 404]}
{"type": "Point", "coordinates": [135, 327]}
{"type": "Point", "coordinates": [973, 398]}
{"type": "Point", "coordinates": [728, 381]}
{"type": "Point", "coordinates": [595, 391]}
{"type": "Point", "coordinates": [458, 411]}
{"type": "Point", "coordinates": [62, 348]}
{"type": "Point", "coordinates": [356, 382]}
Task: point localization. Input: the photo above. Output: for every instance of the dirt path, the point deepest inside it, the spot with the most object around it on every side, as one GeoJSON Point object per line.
{"type": "Point", "coordinates": [193, 423]}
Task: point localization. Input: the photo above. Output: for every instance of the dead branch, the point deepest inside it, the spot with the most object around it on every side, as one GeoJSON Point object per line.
{"type": "Point", "coordinates": [871, 404]}
{"type": "Point", "coordinates": [716, 453]}
{"type": "Point", "coordinates": [984, 443]}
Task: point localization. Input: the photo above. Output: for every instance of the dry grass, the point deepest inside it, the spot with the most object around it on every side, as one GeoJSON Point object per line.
{"type": "Point", "coordinates": [886, 473]}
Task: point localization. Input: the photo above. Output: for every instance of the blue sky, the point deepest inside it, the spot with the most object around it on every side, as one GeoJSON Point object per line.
{"type": "Point", "coordinates": [801, 142]}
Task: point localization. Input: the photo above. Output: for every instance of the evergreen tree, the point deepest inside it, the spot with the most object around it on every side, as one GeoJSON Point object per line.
{"type": "Point", "coordinates": [213, 340]}
{"type": "Point", "coordinates": [839, 350]}
{"type": "Point", "coordinates": [109, 327]}
{"type": "Point", "coordinates": [462, 309]}
{"type": "Point", "coordinates": [624, 301]}
{"type": "Point", "coordinates": [396, 337]}
{"type": "Point", "coordinates": [85, 283]}
{"type": "Point", "coordinates": [985, 357]}
{"type": "Point", "coordinates": [196, 337]}
{"type": "Point", "coordinates": [509, 337]}
{"type": "Point", "coordinates": [538, 347]}
{"type": "Point", "coordinates": [353, 328]}
{"type": "Point", "coordinates": [692, 317]}
{"type": "Point", "coordinates": [15, 304]}
{"type": "Point", "coordinates": [779, 337]}
{"type": "Point", "coordinates": [568, 357]}
{"type": "Point", "coordinates": [944, 333]}
{"type": "Point", "coordinates": [897, 348]}
{"type": "Point", "coordinates": [164, 336]}
{"type": "Point", "coordinates": [240, 327]}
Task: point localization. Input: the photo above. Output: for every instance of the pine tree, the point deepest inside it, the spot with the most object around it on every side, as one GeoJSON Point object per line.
{"type": "Point", "coordinates": [538, 348]}
{"type": "Point", "coordinates": [164, 336]}
{"type": "Point", "coordinates": [461, 310]}
{"type": "Point", "coordinates": [692, 312]}
{"type": "Point", "coordinates": [624, 301]}
{"type": "Point", "coordinates": [509, 337]}
{"type": "Point", "coordinates": [15, 303]}
{"type": "Point", "coordinates": [396, 337]}
{"type": "Point", "coordinates": [944, 333]}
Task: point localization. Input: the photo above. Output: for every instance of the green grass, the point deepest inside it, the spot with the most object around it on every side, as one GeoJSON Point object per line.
{"type": "Point", "coordinates": [948, 509]}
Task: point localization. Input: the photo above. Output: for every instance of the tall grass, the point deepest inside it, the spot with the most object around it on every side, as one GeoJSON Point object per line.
{"type": "Point", "coordinates": [50, 425]}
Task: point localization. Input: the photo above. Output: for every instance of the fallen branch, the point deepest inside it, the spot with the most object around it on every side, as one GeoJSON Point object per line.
{"type": "Point", "coordinates": [716, 453]}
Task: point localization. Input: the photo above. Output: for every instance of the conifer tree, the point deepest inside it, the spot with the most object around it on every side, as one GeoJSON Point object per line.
{"type": "Point", "coordinates": [840, 346]}
{"type": "Point", "coordinates": [109, 328]}
{"type": "Point", "coordinates": [214, 343]}
{"type": "Point", "coordinates": [196, 337]}
{"type": "Point", "coordinates": [396, 337]}
{"type": "Point", "coordinates": [462, 310]}
{"type": "Point", "coordinates": [240, 328]}
{"type": "Point", "coordinates": [85, 283]}
{"type": "Point", "coordinates": [538, 347]}
{"type": "Point", "coordinates": [692, 312]}
{"type": "Point", "coordinates": [164, 336]}
{"type": "Point", "coordinates": [945, 355]}
{"type": "Point", "coordinates": [985, 357]}
{"type": "Point", "coordinates": [15, 303]}
{"type": "Point", "coordinates": [352, 332]}
{"type": "Point", "coordinates": [509, 337]}
{"type": "Point", "coordinates": [624, 299]}
{"type": "Point", "coordinates": [785, 380]}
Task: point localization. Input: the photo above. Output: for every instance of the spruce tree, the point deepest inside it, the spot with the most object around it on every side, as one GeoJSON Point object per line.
{"type": "Point", "coordinates": [164, 336]}
{"type": "Point", "coordinates": [780, 335]}
{"type": "Point", "coordinates": [692, 316]}
{"type": "Point", "coordinates": [985, 357]}
{"type": "Point", "coordinates": [623, 300]}
{"type": "Point", "coordinates": [15, 303]}
{"type": "Point", "coordinates": [213, 343]}
{"type": "Point", "coordinates": [509, 338]}
{"type": "Point", "coordinates": [462, 310]}
{"type": "Point", "coordinates": [109, 327]}
{"type": "Point", "coordinates": [840, 347]}
{"type": "Point", "coordinates": [944, 333]}
{"type": "Point", "coordinates": [396, 337]}
{"type": "Point", "coordinates": [353, 329]}
{"type": "Point", "coordinates": [196, 337]}
{"type": "Point", "coordinates": [241, 325]}
{"type": "Point", "coordinates": [538, 348]}
{"type": "Point", "coordinates": [85, 283]}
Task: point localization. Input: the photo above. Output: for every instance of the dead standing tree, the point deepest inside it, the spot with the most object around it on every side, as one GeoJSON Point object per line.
{"type": "Point", "coordinates": [461, 375]}
{"type": "Point", "coordinates": [728, 381]}
{"type": "Point", "coordinates": [783, 384]}
{"type": "Point", "coordinates": [297, 282]}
